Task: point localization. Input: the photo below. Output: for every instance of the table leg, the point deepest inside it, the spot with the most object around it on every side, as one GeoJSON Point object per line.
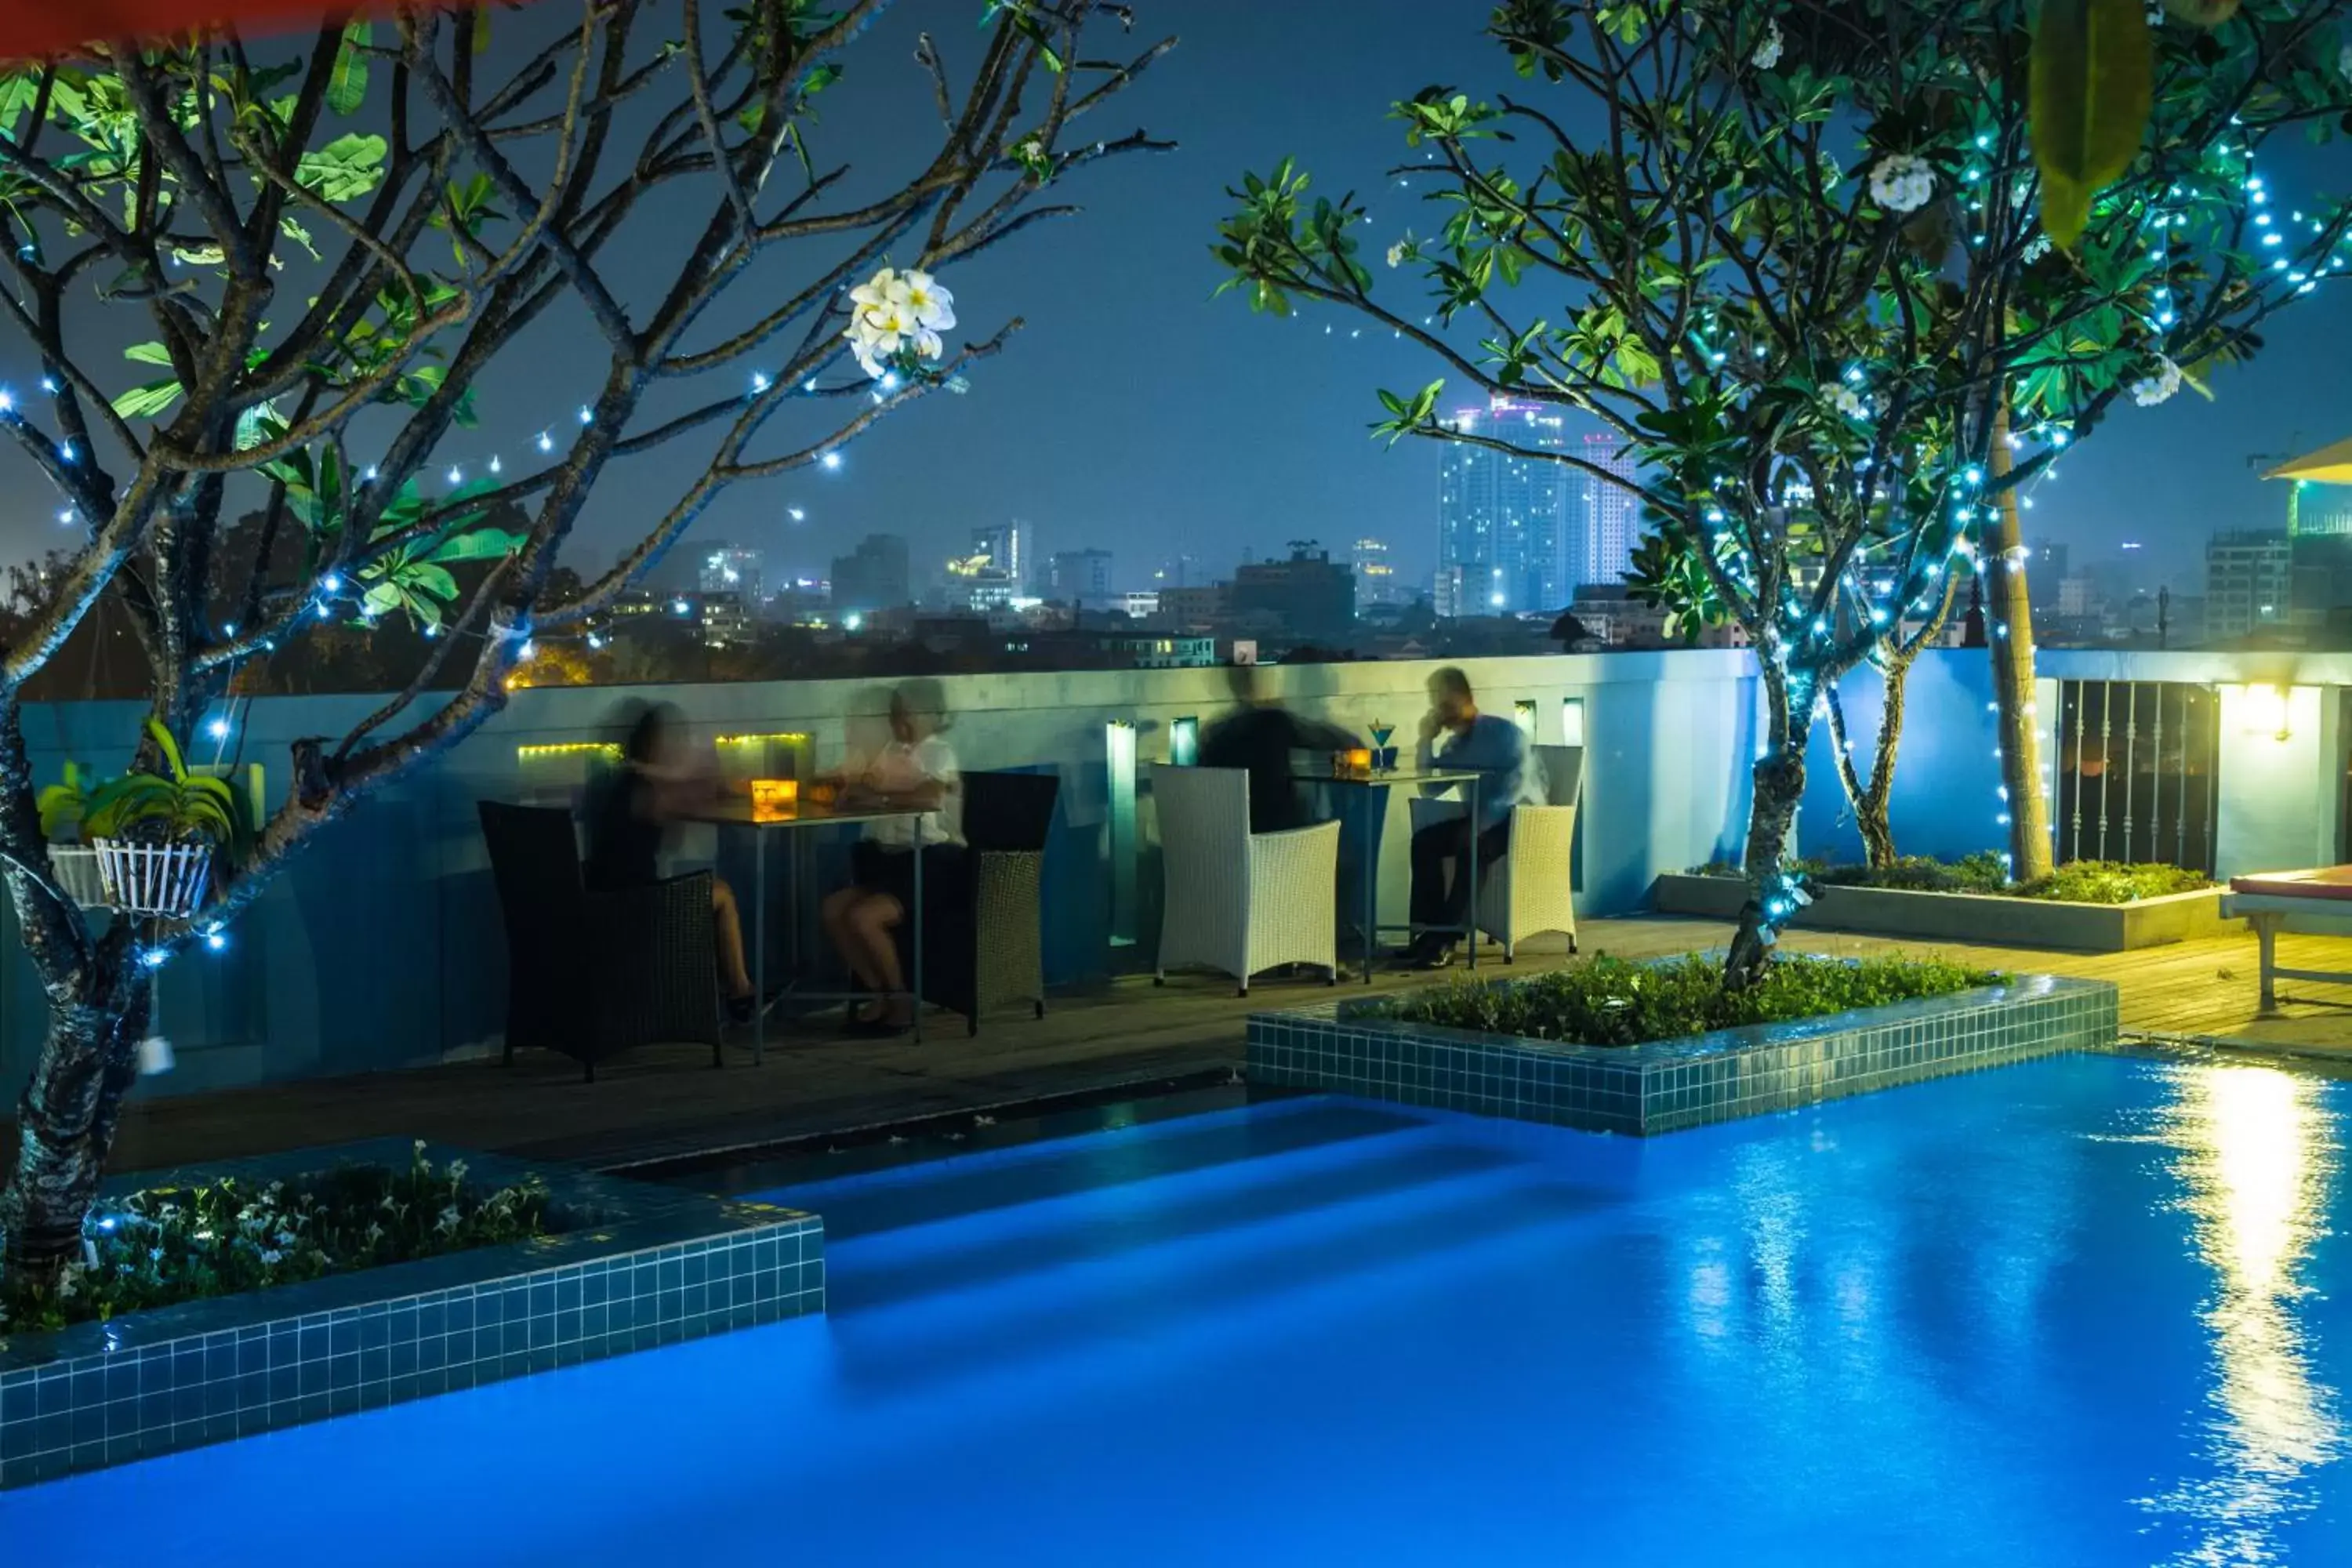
{"type": "Point", "coordinates": [759, 947]}
{"type": "Point", "coordinates": [1366, 851]}
{"type": "Point", "coordinates": [2266, 940]}
{"type": "Point", "coordinates": [917, 1007]}
{"type": "Point", "coordinates": [1477, 833]}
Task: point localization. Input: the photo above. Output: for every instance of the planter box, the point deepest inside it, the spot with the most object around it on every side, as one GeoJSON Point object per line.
{"type": "Point", "coordinates": [1970, 917]}
{"type": "Point", "coordinates": [1667, 1085]}
{"type": "Point", "coordinates": [641, 1266]}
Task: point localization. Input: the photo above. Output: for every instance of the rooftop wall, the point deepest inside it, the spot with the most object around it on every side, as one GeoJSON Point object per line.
{"type": "Point", "coordinates": [380, 947]}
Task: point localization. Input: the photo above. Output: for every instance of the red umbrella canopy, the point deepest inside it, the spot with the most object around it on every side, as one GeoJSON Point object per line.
{"type": "Point", "coordinates": [36, 29]}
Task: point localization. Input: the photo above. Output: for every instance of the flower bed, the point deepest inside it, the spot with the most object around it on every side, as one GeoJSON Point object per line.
{"type": "Point", "coordinates": [1606, 1001]}
{"type": "Point", "coordinates": [2089, 907]}
{"type": "Point", "coordinates": [161, 1246]}
{"type": "Point", "coordinates": [540, 1267]}
{"type": "Point", "coordinates": [1666, 1085]}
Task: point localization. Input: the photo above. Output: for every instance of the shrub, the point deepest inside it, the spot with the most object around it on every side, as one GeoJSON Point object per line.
{"type": "Point", "coordinates": [168, 1245]}
{"type": "Point", "coordinates": [2083, 882]}
{"type": "Point", "coordinates": [2112, 882]}
{"type": "Point", "coordinates": [1607, 1001]}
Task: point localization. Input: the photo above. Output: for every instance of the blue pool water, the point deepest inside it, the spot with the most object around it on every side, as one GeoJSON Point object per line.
{"type": "Point", "coordinates": [2086, 1310]}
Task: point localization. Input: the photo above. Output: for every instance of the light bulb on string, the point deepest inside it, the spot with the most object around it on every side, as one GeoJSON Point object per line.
{"type": "Point", "coordinates": [587, 416]}
{"type": "Point", "coordinates": [496, 467]}
{"type": "Point", "coordinates": [831, 460]}
{"type": "Point", "coordinates": [760, 382]}
{"type": "Point", "coordinates": [546, 442]}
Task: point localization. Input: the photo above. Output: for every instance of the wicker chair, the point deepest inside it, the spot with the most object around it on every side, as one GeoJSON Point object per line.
{"type": "Point", "coordinates": [594, 974]}
{"type": "Point", "coordinates": [1237, 901]}
{"type": "Point", "coordinates": [984, 944]}
{"type": "Point", "coordinates": [1530, 890]}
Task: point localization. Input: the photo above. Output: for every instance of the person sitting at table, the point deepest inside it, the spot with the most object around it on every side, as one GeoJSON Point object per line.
{"type": "Point", "coordinates": [630, 810]}
{"type": "Point", "coordinates": [1456, 735]}
{"type": "Point", "coordinates": [1259, 736]}
{"type": "Point", "coordinates": [917, 770]}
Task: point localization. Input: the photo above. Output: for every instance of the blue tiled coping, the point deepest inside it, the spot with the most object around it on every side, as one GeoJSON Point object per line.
{"type": "Point", "coordinates": [1667, 1085]}
{"type": "Point", "coordinates": [638, 1266]}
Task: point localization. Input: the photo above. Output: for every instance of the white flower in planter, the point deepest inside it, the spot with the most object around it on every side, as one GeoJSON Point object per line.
{"type": "Point", "coordinates": [1902, 182]}
{"type": "Point", "coordinates": [2157, 387]}
{"type": "Point", "coordinates": [1768, 52]}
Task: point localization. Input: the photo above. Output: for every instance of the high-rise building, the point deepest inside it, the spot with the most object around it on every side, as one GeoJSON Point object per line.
{"type": "Point", "coordinates": [2248, 578]}
{"type": "Point", "coordinates": [733, 569]}
{"type": "Point", "coordinates": [1080, 576]}
{"type": "Point", "coordinates": [1009, 552]}
{"type": "Point", "coordinates": [1604, 518]}
{"type": "Point", "coordinates": [872, 577]}
{"type": "Point", "coordinates": [1308, 598]}
{"type": "Point", "coordinates": [1376, 579]}
{"type": "Point", "coordinates": [1502, 516]}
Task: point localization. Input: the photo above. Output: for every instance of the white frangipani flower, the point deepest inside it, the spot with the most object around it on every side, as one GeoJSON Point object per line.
{"type": "Point", "coordinates": [1902, 182]}
{"type": "Point", "coordinates": [2158, 387]}
{"type": "Point", "coordinates": [1849, 401]}
{"type": "Point", "coordinates": [2036, 248]}
{"type": "Point", "coordinates": [894, 310]}
{"type": "Point", "coordinates": [1768, 52]}
{"type": "Point", "coordinates": [1397, 253]}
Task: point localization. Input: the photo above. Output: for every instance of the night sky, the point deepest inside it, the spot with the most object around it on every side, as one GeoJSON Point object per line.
{"type": "Point", "coordinates": [1137, 414]}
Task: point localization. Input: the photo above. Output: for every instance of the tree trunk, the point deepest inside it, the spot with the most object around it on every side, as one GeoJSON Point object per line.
{"type": "Point", "coordinates": [1868, 798]}
{"type": "Point", "coordinates": [66, 1123]}
{"type": "Point", "coordinates": [2009, 640]}
{"type": "Point", "coordinates": [1780, 787]}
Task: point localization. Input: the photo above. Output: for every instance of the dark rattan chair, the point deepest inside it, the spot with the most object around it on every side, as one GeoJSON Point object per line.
{"type": "Point", "coordinates": [983, 947]}
{"type": "Point", "coordinates": [594, 974]}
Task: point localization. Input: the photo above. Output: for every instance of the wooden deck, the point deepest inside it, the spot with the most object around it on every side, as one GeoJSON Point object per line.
{"type": "Point", "coordinates": [665, 1102]}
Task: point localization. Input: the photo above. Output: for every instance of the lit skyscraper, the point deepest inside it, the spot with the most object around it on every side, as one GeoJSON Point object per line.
{"type": "Point", "coordinates": [732, 569]}
{"type": "Point", "coordinates": [1502, 517]}
{"type": "Point", "coordinates": [1376, 578]}
{"type": "Point", "coordinates": [1603, 519]}
{"type": "Point", "coordinates": [1007, 547]}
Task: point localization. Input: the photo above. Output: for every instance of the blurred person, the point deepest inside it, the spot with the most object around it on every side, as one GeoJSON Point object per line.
{"type": "Point", "coordinates": [917, 770]}
{"type": "Point", "coordinates": [1258, 736]}
{"type": "Point", "coordinates": [631, 809]}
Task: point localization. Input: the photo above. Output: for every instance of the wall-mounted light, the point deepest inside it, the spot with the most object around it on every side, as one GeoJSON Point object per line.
{"type": "Point", "coordinates": [2264, 711]}
{"type": "Point", "coordinates": [1184, 741]}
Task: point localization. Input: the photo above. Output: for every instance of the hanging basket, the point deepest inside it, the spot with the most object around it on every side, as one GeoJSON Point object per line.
{"type": "Point", "coordinates": [154, 879]}
{"type": "Point", "coordinates": [78, 874]}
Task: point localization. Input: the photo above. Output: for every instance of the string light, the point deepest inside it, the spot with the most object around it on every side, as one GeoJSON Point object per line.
{"type": "Point", "coordinates": [831, 460]}
{"type": "Point", "coordinates": [546, 442]}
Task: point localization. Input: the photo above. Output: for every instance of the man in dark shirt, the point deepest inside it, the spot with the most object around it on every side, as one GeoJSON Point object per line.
{"type": "Point", "coordinates": [1259, 737]}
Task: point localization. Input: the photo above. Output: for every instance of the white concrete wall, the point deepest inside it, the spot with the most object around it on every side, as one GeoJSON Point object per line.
{"type": "Point", "coordinates": [381, 948]}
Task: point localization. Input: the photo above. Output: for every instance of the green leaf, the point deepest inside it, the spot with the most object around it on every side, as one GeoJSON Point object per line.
{"type": "Point", "coordinates": [343, 170]}
{"type": "Point", "coordinates": [148, 401]}
{"type": "Point", "coordinates": [148, 354]}
{"type": "Point", "coordinates": [2094, 66]}
{"type": "Point", "coordinates": [347, 85]}
{"type": "Point", "coordinates": [481, 544]}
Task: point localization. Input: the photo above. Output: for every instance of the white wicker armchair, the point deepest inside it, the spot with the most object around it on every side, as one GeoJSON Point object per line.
{"type": "Point", "coordinates": [1530, 890]}
{"type": "Point", "coordinates": [1237, 901]}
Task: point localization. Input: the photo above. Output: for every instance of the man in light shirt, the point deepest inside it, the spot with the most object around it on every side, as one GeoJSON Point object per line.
{"type": "Point", "coordinates": [1456, 735]}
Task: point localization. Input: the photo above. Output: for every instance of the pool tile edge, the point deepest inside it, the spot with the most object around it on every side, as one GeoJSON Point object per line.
{"type": "Point", "coordinates": [655, 1266]}
{"type": "Point", "coordinates": [1670, 1086]}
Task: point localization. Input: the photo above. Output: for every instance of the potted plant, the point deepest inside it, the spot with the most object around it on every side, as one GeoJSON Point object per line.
{"type": "Point", "coordinates": [154, 836]}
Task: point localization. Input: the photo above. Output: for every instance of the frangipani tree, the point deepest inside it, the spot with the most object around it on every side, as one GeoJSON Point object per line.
{"type": "Point", "coordinates": [1790, 253]}
{"type": "Point", "coordinates": [1672, 244]}
{"type": "Point", "coordinates": [453, 206]}
{"type": "Point", "coordinates": [2022, 345]}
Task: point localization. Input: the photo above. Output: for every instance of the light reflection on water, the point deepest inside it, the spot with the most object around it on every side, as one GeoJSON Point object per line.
{"type": "Point", "coordinates": [2256, 1159]}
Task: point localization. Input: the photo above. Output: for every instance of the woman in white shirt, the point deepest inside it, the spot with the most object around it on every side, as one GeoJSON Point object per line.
{"type": "Point", "coordinates": [918, 768]}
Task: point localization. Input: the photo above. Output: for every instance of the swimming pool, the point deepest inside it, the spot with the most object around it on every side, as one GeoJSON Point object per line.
{"type": "Point", "coordinates": [2083, 1310]}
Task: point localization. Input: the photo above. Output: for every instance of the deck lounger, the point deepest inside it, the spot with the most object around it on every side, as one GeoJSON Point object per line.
{"type": "Point", "coordinates": [2318, 901]}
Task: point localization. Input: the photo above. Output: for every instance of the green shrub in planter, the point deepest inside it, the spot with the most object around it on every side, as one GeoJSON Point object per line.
{"type": "Point", "coordinates": [1605, 1001]}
